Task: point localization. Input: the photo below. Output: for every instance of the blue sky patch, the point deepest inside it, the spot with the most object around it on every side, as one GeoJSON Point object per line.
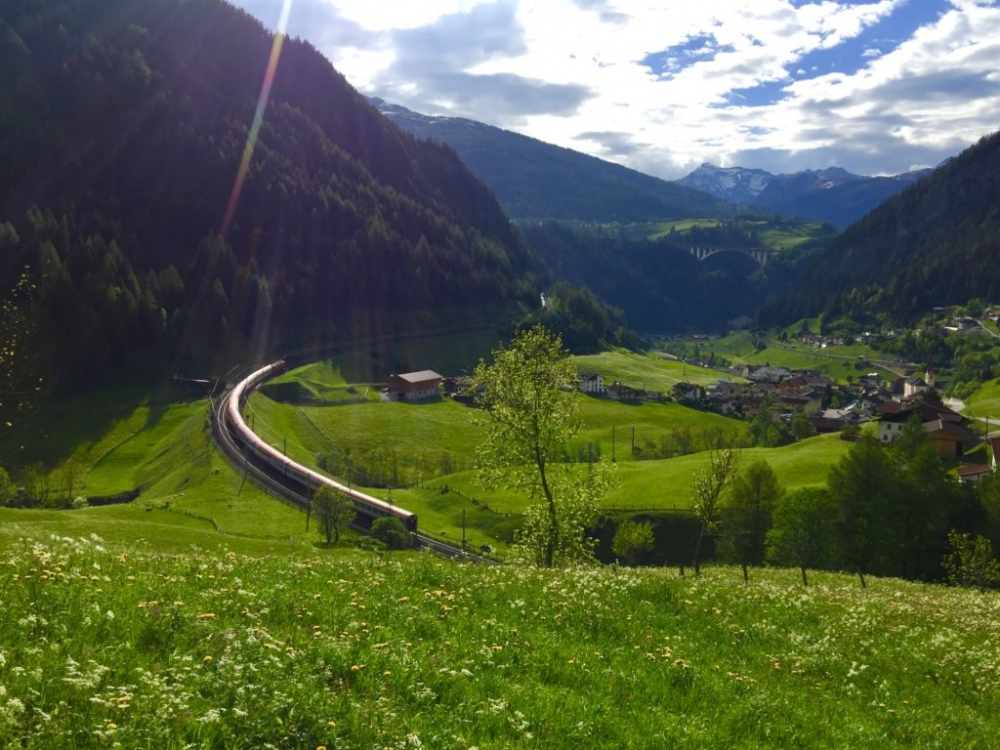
{"type": "Point", "coordinates": [856, 53]}
{"type": "Point", "coordinates": [671, 61]}
{"type": "Point", "coordinates": [760, 95]}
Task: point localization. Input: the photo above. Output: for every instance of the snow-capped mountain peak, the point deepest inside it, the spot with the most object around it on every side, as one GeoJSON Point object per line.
{"type": "Point", "coordinates": [731, 184]}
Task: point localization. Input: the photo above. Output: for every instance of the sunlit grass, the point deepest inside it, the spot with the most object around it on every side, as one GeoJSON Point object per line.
{"type": "Point", "coordinates": [648, 372]}
{"type": "Point", "coordinates": [103, 644]}
{"type": "Point", "coordinates": [659, 486]}
{"type": "Point", "coordinates": [985, 402]}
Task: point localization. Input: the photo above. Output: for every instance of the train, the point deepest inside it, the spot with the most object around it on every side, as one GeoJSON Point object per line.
{"type": "Point", "coordinates": [307, 481]}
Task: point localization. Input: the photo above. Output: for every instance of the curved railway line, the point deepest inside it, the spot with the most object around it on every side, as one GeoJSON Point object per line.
{"type": "Point", "coordinates": [276, 473]}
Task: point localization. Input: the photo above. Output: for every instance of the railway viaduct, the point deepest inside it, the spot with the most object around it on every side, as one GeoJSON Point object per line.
{"type": "Point", "coordinates": [760, 254]}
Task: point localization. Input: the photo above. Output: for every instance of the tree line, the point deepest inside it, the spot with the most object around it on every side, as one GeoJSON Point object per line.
{"type": "Point", "coordinates": [885, 510]}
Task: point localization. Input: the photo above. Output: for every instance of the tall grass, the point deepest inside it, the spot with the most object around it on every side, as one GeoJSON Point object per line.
{"type": "Point", "coordinates": [108, 646]}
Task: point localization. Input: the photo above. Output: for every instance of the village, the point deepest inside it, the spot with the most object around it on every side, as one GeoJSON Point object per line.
{"type": "Point", "coordinates": [806, 401]}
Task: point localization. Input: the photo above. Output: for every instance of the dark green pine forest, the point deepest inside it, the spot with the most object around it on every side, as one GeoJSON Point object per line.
{"type": "Point", "coordinates": [123, 125]}
{"type": "Point", "coordinates": [936, 243]}
{"type": "Point", "coordinates": [657, 283]}
{"type": "Point", "coordinates": [122, 128]}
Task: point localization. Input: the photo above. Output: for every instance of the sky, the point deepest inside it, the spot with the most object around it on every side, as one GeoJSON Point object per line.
{"type": "Point", "coordinates": [873, 86]}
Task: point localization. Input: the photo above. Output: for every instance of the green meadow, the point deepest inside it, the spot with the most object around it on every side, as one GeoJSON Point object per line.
{"type": "Point", "coordinates": [985, 402]}
{"type": "Point", "coordinates": [203, 614]}
{"type": "Point", "coordinates": [163, 449]}
{"type": "Point", "coordinates": [841, 362]}
{"type": "Point", "coordinates": [108, 644]}
{"type": "Point", "coordinates": [657, 486]}
{"type": "Point", "coordinates": [649, 372]}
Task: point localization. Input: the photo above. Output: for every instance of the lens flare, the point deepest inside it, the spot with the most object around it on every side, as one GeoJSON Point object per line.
{"type": "Point", "coordinates": [258, 116]}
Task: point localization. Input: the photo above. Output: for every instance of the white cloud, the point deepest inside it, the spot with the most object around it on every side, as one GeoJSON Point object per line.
{"type": "Point", "coordinates": [571, 72]}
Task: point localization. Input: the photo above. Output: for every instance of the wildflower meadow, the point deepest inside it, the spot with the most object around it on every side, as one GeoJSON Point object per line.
{"type": "Point", "coordinates": [103, 645]}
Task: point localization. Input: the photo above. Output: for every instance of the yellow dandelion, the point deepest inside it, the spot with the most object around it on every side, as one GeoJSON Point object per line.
{"type": "Point", "coordinates": [208, 658]}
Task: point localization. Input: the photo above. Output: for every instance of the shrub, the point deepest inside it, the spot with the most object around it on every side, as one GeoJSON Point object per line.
{"type": "Point", "coordinates": [391, 532]}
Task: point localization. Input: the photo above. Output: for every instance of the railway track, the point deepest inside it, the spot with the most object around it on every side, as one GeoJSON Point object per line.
{"type": "Point", "coordinates": [226, 437]}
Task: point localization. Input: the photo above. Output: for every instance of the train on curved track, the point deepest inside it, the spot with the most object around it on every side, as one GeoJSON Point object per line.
{"type": "Point", "coordinates": [303, 480]}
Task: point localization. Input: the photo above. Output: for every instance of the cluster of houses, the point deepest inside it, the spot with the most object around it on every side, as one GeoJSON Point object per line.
{"type": "Point", "coordinates": [782, 391]}
{"type": "Point", "coordinates": [593, 384]}
{"type": "Point", "coordinates": [868, 399]}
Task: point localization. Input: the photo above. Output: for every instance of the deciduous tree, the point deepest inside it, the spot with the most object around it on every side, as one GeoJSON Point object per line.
{"type": "Point", "coordinates": [745, 520]}
{"type": "Point", "coordinates": [334, 513]}
{"type": "Point", "coordinates": [707, 491]}
{"type": "Point", "coordinates": [803, 532]}
{"type": "Point", "coordinates": [865, 486]}
{"type": "Point", "coordinates": [632, 541]}
{"type": "Point", "coordinates": [529, 411]}
{"type": "Point", "coordinates": [391, 532]}
{"type": "Point", "coordinates": [971, 562]}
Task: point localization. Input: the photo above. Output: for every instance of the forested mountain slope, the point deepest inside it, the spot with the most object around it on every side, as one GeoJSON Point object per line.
{"type": "Point", "coordinates": [936, 243]}
{"type": "Point", "coordinates": [536, 180]}
{"type": "Point", "coordinates": [123, 124]}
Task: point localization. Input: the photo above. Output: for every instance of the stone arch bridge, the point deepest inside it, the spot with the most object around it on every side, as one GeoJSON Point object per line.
{"type": "Point", "coordinates": [760, 254]}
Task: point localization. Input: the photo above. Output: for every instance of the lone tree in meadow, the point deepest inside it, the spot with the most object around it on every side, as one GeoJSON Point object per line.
{"type": "Point", "coordinates": [334, 513]}
{"type": "Point", "coordinates": [529, 411]}
{"type": "Point", "coordinates": [708, 488]}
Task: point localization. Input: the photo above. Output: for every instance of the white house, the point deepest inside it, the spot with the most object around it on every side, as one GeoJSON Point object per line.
{"type": "Point", "coordinates": [591, 382]}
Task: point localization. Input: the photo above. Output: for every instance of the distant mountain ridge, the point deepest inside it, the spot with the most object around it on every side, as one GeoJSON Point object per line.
{"type": "Point", "coordinates": [731, 184]}
{"type": "Point", "coordinates": [536, 180]}
{"type": "Point", "coordinates": [935, 243]}
{"type": "Point", "coordinates": [832, 195]}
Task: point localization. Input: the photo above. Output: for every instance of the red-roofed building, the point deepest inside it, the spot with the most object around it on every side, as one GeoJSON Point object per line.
{"type": "Point", "coordinates": [948, 430]}
{"type": "Point", "coordinates": [414, 386]}
{"type": "Point", "coordinates": [973, 473]}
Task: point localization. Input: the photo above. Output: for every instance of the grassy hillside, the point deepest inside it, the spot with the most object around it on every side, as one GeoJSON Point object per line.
{"type": "Point", "coordinates": [110, 645]}
{"type": "Point", "coordinates": [985, 402]}
{"type": "Point", "coordinates": [641, 485]}
{"type": "Point", "coordinates": [639, 371]}
{"type": "Point", "coordinates": [163, 449]}
{"type": "Point", "coordinates": [431, 448]}
{"type": "Point", "coordinates": [837, 362]}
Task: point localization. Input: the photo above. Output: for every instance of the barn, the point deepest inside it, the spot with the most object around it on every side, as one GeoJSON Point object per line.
{"type": "Point", "coordinates": [414, 386]}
